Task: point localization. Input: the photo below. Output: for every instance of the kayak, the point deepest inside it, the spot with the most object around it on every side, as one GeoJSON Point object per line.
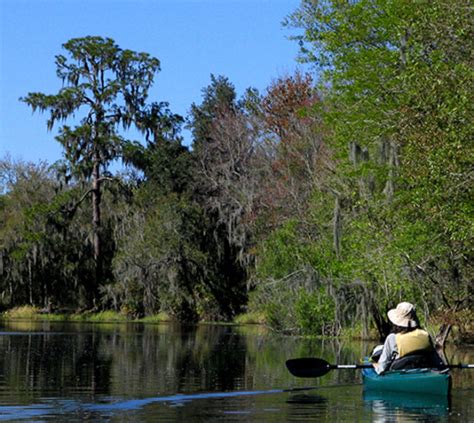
{"type": "Point", "coordinates": [422, 381]}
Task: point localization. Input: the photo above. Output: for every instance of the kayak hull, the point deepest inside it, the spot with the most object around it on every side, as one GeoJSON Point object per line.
{"type": "Point", "coordinates": [422, 381]}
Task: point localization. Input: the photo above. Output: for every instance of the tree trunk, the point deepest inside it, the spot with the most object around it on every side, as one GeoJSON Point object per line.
{"type": "Point", "coordinates": [337, 227]}
{"type": "Point", "coordinates": [440, 340]}
{"type": "Point", "coordinates": [96, 228]}
{"type": "Point", "coordinates": [382, 324]}
{"type": "Point", "coordinates": [393, 165]}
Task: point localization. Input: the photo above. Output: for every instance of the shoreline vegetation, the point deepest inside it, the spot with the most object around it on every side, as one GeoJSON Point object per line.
{"type": "Point", "coordinates": [35, 314]}
{"type": "Point", "coordinates": [29, 313]}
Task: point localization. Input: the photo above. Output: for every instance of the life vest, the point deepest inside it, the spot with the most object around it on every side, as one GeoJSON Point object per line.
{"type": "Point", "coordinates": [416, 340]}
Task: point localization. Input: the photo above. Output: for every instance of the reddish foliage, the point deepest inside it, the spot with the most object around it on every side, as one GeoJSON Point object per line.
{"type": "Point", "coordinates": [300, 158]}
{"type": "Point", "coordinates": [286, 98]}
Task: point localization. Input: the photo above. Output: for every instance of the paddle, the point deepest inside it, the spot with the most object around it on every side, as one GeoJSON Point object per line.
{"type": "Point", "coordinates": [316, 367]}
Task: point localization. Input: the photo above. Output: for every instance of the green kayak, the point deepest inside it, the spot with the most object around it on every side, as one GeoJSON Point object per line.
{"type": "Point", "coordinates": [422, 381]}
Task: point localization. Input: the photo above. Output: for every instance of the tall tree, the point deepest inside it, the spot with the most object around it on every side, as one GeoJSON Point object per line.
{"type": "Point", "coordinates": [108, 86]}
{"type": "Point", "coordinates": [217, 98]}
{"type": "Point", "coordinates": [223, 150]}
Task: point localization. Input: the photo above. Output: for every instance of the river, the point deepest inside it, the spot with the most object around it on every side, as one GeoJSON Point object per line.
{"type": "Point", "coordinates": [161, 372]}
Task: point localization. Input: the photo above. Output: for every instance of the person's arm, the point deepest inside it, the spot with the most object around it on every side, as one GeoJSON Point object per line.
{"type": "Point", "coordinates": [389, 350]}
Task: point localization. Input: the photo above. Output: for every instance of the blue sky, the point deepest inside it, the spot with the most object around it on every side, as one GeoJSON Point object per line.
{"type": "Point", "coordinates": [241, 39]}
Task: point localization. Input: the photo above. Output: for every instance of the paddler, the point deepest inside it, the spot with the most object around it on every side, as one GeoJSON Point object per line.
{"type": "Point", "coordinates": [407, 340]}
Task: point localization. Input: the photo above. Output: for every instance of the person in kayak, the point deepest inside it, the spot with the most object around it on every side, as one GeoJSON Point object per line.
{"type": "Point", "coordinates": [408, 346]}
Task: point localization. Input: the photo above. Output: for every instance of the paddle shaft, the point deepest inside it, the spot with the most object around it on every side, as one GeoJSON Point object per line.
{"type": "Point", "coordinates": [349, 366]}
{"type": "Point", "coordinates": [316, 367]}
{"type": "Point", "coordinates": [460, 366]}
{"type": "Point", "coordinates": [368, 366]}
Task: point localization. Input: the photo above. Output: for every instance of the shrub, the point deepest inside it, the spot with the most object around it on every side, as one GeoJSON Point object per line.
{"type": "Point", "coordinates": [315, 312]}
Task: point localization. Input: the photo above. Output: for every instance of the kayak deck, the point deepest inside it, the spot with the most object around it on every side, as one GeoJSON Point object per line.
{"type": "Point", "coordinates": [423, 381]}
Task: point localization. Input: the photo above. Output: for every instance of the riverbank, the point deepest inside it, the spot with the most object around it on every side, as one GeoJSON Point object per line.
{"type": "Point", "coordinates": [29, 313]}
{"type": "Point", "coordinates": [109, 316]}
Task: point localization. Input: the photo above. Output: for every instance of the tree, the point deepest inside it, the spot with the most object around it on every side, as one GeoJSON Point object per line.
{"type": "Point", "coordinates": [300, 159]}
{"type": "Point", "coordinates": [224, 151]}
{"type": "Point", "coordinates": [28, 190]}
{"type": "Point", "coordinates": [397, 91]}
{"type": "Point", "coordinates": [108, 86]}
{"type": "Point", "coordinates": [164, 160]}
{"type": "Point", "coordinates": [218, 97]}
{"type": "Point", "coordinates": [158, 265]}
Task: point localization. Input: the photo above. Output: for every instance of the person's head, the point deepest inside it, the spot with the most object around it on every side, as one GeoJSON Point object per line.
{"type": "Point", "coordinates": [403, 317]}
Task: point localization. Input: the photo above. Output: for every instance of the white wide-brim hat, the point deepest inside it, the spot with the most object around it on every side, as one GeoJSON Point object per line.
{"type": "Point", "coordinates": [403, 315]}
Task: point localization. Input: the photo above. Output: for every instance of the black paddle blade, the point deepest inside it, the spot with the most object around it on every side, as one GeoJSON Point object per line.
{"type": "Point", "coordinates": [308, 367]}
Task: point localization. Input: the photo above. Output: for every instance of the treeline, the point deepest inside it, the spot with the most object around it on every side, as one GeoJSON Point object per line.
{"type": "Point", "coordinates": [317, 203]}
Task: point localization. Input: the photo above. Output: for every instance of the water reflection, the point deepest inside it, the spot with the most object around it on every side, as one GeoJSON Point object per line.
{"type": "Point", "coordinates": [136, 372]}
{"type": "Point", "coordinates": [52, 362]}
{"type": "Point", "coordinates": [308, 399]}
{"type": "Point", "coordinates": [401, 407]}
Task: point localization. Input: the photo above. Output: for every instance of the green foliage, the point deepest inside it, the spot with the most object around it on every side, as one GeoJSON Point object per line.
{"type": "Point", "coordinates": [164, 161]}
{"type": "Point", "coordinates": [250, 319]}
{"type": "Point", "coordinates": [315, 312]}
{"type": "Point", "coordinates": [103, 316]}
{"type": "Point", "coordinates": [282, 253]}
{"type": "Point", "coordinates": [108, 86]}
{"type": "Point", "coordinates": [222, 185]}
{"type": "Point", "coordinates": [217, 97]}
{"type": "Point", "coordinates": [394, 220]}
{"type": "Point", "coordinates": [156, 318]}
{"type": "Point", "coordinates": [24, 312]}
{"type": "Point", "coordinates": [157, 265]}
{"type": "Point", "coordinates": [45, 241]}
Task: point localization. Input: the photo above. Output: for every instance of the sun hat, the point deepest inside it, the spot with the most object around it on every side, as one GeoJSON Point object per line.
{"type": "Point", "coordinates": [403, 315]}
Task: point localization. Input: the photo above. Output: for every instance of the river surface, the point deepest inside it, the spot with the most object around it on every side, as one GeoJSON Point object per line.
{"type": "Point", "coordinates": [148, 373]}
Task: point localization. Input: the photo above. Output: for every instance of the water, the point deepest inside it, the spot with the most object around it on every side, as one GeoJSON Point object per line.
{"type": "Point", "coordinates": [147, 373]}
